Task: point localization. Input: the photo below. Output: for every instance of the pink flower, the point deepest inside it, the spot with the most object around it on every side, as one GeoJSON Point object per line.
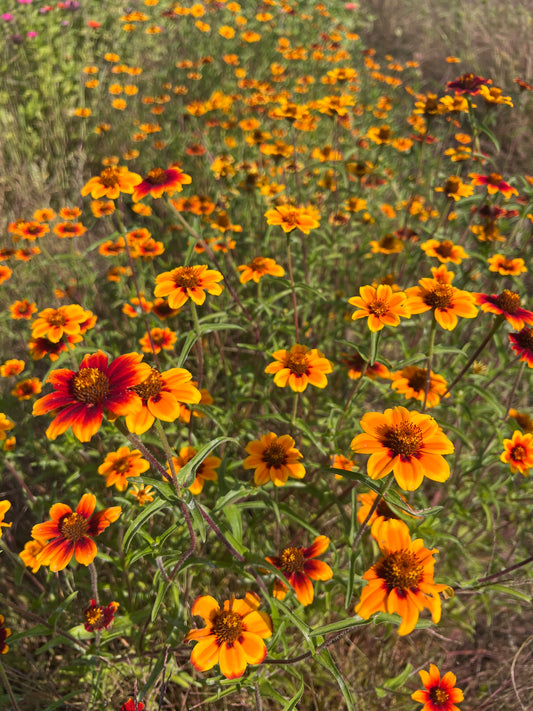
{"type": "Point", "coordinates": [32, 33]}
{"type": "Point", "coordinates": [7, 16]}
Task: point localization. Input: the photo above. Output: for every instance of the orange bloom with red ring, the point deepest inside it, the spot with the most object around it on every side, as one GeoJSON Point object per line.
{"type": "Point", "coordinates": [356, 364]}
{"type": "Point", "coordinates": [70, 533]}
{"type": "Point", "coordinates": [185, 283]}
{"type": "Point", "coordinates": [159, 181]}
{"type": "Point", "coordinates": [259, 267]}
{"type": "Point", "coordinates": [79, 398]}
{"type": "Point", "coordinates": [206, 471]}
{"type": "Point", "coordinates": [299, 566]}
{"type": "Point", "coordinates": [439, 694]}
{"type": "Point", "coordinates": [161, 396]}
{"type": "Point", "coordinates": [5, 273]}
{"type": "Point", "coordinates": [380, 305]}
{"type": "Point", "coordinates": [274, 459]}
{"type": "Point", "coordinates": [411, 381]}
{"type": "Point", "coordinates": [409, 444]}
{"type": "Point", "coordinates": [53, 323]}
{"type": "Point", "coordinates": [518, 452]}
{"type": "Point", "coordinates": [119, 465]}
{"type": "Point", "coordinates": [446, 300]}
{"type": "Point", "coordinates": [506, 304]}
{"type": "Point", "coordinates": [13, 366]}
{"type": "Point", "coordinates": [506, 267]}
{"type": "Point", "coordinates": [402, 579]}
{"type": "Point", "coordinates": [158, 339]}
{"type": "Point", "coordinates": [112, 181]}
{"type": "Point", "coordinates": [40, 347]}
{"type": "Point", "coordinates": [299, 367]}
{"type": "Point", "coordinates": [494, 184]}
{"type": "Point", "coordinates": [26, 389]}
{"type": "Point", "coordinates": [289, 217]}
{"type": "Point", "coordinates": [444, 251]}
{"type": "Point", "coordinates": [70, 229]}
{"type": "Point", "coordinates": [22, 309]}
{"type": "Point", "coordinates": [233, 635]}
{"type": "Point", "coordinates": [522, 344]}
{"type": "Point", "coordinates": [98, 617]}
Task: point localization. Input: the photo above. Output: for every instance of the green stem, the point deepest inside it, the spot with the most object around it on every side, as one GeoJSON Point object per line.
{"type": "Point", "coordinates": [168, 454]}
{"type": "Point", "coordinates": [513, 390]}
{"type": "Point", "coordinates": [294, 409]}
{"type": "Point", "coordinates": [198, 343]}
{"type": "Point", "coordinates": [429, 361]}
{"type": "Point", "coordinates": [291, 277]}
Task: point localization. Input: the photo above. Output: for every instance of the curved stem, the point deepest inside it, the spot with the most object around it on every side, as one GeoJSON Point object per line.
{"type": "Point", "coordinates": [218, 533]}
{"type": "Point", "coordinates": [192, 537]}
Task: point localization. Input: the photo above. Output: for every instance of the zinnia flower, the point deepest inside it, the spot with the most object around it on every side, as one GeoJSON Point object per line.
{"type": "Point", "coordinates": [79, 398]}
{"type": "Point", "coordinates": [300, 568]}
{"type": "Point", "coordinates": [13, 366]}
{"type": "Point", "coordinates": [439, 694]}
{"type": "Point", "coordinates": [22, 309]}
{"type": "Point", "coordinates": [356, 363]}
{"type": "Point", "coordinates": [4, 634]}
{"type": "Point", "coordinates": [119, 465]}
{"type": "Point", "coordinates": [26, 389]}
{"type": "Point", "coordinates": [518, 452]}
{"type": "Point", "coordinates": [444, 251]}
{"type": "Point", "coordinates": [4, 508]}
{"type": "Point", "coordinates": [522, 344]}
{"type": "Point", "coordinates": [455, 189]}
{"type": "Point", "coordinates": [5, 425]}
{"type": "Point", "coordinates": [409, 444]}
{"type": "Point", "coordinates": [381, 305]}
{"type": "Point", "coordinates": [98, 617]}
{"type": "Point", "coordinates": [494, 184]}
{"type": "Point", "coordinates": [402, 579]}
{"type": "Point", "coordinates": [299, 367]}
{"type": "Point", "coordinates": [258, 267]}
{"type": "Point", "coordinates": [30, 554]}
{"type": "Point", "coordinates": [502, 265]}
{"type": "Point", "coordinates": [132, 705]}
{"type": "Point", "coordinates": [185, 283]}
{"type": "Point", "coordinates": [159, 181]}
{"type": "Point", "coordinates": [274, 459]}
{"type": "Point", "coordinates": [53, 323]}
{"type": "Point", "coordinates": [506, 304]}
{"type": "Point", "coordinates": [158, 339]}
{"type": "Point", "coordinates": [289, 217]}
{"type": "Point", "coordinates": [232, 637]}
{"type": "Point", "coordinates": [382, 513]}
{"type": "Point", "coordinates": [112, 181]}
{"type": "Point", "coordinates": [72, 532]}
{"type": "Point", "coordinates": [161, 395]}
{"type": "Point", "coordinates": [447, 302]}
{"type": "Point", "coordinates": [467, 84]}
{"type": "Point", "coordinates": [411, 381]}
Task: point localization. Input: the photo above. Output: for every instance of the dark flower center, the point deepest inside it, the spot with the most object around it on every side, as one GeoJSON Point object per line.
{"type": "Point", "coordinates": [452, 185]}
{"type": "Point", "coordinates": [292, 560]}
{"type": "Point", "coordinates": [258, 264]}
{"type": "Point", "coordinates": [518, 453]}
{"type": "Point", "coordinates": [400, 569]}
{"type": "Point", "coordinates": [109, 177]}
{"type": "Point", "coordinates": [68, 227]}
{"type": "Point", "coordinates": [384, 510]}
{"type": "Point", "coordinates": [151, 386]}
{"type": "Point", "coordinates": [227, 626]}
{"type": "Point", "coordinates": [445, 248]}
{"type": "Point", "coordinates": [275, 455]}
{"type": "Point", "coordinates": [73, 526]}
{"type": "Point", "coordinates": [438, 695]}
{"type": "Point", "coordinates": [187, 277]}
{"type": "Point", "coordinates": [57, 319]}
{"type": "Point", "coordinates": [90, 385]}
{"type": "Point", "coordinates": [416, 377]}
{"type": "Point", "coordinates": [378, 307]}
{"type": "Point", "coordinates": [524, 339]}
{"type": "Point", "coordinates": [494, 178]}
{"type": "Point", "coordinates": [122, 465]}
{"type": "Point", "coordinates": [297, 363]}
{"type": "Point", "coordinates": [157, 176]}
{"type": "Point", "coordinates": [440, 296]}
{"type": "Point", "coordinates": [404, 439]}
{"type": "Point", "coordinates": [508, 301]}
{"type": "Point", "coordinates": [389, 242]}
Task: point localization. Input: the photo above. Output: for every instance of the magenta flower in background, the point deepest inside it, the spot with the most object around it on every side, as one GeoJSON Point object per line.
{"type": "Point", "coordinates": [31, 34]}
{"type": "Point", "coordinates": [7, 17]}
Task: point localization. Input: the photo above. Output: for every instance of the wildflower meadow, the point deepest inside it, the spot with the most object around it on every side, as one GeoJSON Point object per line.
{"type": "Point", "coordinates": [266, 422]}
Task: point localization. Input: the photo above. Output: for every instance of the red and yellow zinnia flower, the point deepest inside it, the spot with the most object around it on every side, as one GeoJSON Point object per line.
{"type": "Point", "coordinates": [494, 184]}
{"type": "Point", "coordinates": [518, 452]}
{"type": "Point", "coordinates": [70, 533]}
{"type": "Point", "coordinates": [161, 396]}
{"type": "Point", "coordinates": [299, 367]}
{"type": "Point", "coordinates": [409, 444]}
{"type": "Point", "coordinates": [445, 251]}
{"type": "Point", "coordinates": [274, 459]}
{"type": "Point", "coordinates": [380, 305]}
{"type": "Point", "coordinates": [402, 579]}
{"type": "Point", "coordinates": [185, 283]}
{"type": "Point", "coordinates": [439, 694]}
{"type": "Point", "coordinates": [98, 617]}
{"type": "Point", "coordinates": [233, 635]}
{"type": "Point", "coordinates": [79, 398]}
{"type": "Point", "coordinates": [119, 465]}
{"type": "Point", "coordinates": [299, 566]}
{"type": "Point", "coordinates": [506, 304]}
{"type": "Point", "coordinates": [159, 181]}
{"type": "Point", "coordinates": [4, 508]}
{"type": "Point", "coordinates": [522, 344]}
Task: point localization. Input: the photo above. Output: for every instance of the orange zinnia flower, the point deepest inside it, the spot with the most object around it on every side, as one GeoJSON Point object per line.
{"type": "Point", "coordinates": [356, 364]}
{"type": "Point", "coordinates": [4, 508]}
{"type": "Point", "coordinates": [13, 366]}
{"type": "Point", "coordinates": [381, 513]}
{"type": "Point", "coordinates": [159, 338]}
{"type": "Point", "coordinates": [299, 567]}
{"type": "Point", "coordinates": [455, 189]}
{"type": "Point", "coordinates": [502, 265]}
{"type": "Point", "coordinates": [444, 251]}
{"type": "Point", "coordinates": [22, 309]}
{"type": "Point", "coordinates": [70, 229]}
{"type": "Point", "coordinates": [206, 471]}
{"type": "Point", "coordinates": [5, 632]}
{"type": "Point", "coordinates": [506, 304]}
{"type": "Point", "coordinates": [5, 273]}
{"type": "Point", "coordinates": [5, 425]}
{"type": "Point", "coordinates": [447, 302]}
{"type": "Point", "coordinates": [258, 267]}
{"type": "Point", "coordinates": [119, 465]}
{"type": "Point", "coordinates": [409, 444]}
{"type": "Point", "coordinates": [439, 694]}
{"type": "Point", "coordinates": [159, 181]}
{"type": "Point", "coordinates": [494, 184]}
{"type": "Point", "coordinates": [518, 452]}
{"type": "Point", "coordinates": [71, 532]}
{"type": "Point", "coordinates": [26, 389]}
{"type": "Point", "coordinates": [289, 217]}
{"type": "Point", "coordinates": [40, 347]}
{"type": "Point", "coordinates": [112, 181]}
{"type": "Point", "coordinates": [161, 395]}
{"type": "Point", "coordinates": [299, 367]}
{"type": "Point", "coordinates": [522, 344]}
{"type": "Point", "coordinates": [53, 323]}
{"type": "Point", "coordinates": [274, 459]}
{"type": "Point", "coordinates": [411, 381]}
{"type": "Point", "coordinates": [402, 579]}
{"type": "Point", "coordinates": [382, 306]}
{"type": "Point", "coordinates": [79, 398]}
{"type": "Point", "coordinates": [30, 554]}
{"type": "Point", "coordinates": [232, 637]}
{"type": "Point", "coordinates": [185, 283]}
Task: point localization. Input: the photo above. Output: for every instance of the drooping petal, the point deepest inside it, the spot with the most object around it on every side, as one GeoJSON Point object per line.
{"type": "Point", "coordinates": [232, 660]}
{"type": "Point", "coordinates": [85, 550]}
{"type": "Point", "coordinates": [303, 588]}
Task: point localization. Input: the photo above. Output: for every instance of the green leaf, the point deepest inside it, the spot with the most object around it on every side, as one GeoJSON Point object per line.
{"type": "Point", "coordinates": [339, 626]}
{"type": "Point", "coordinates": [153, 508]}
{"type": "Point", "coordinates": [297, 622]}
{"type": "Point", "coordinates": [187, 473]}
{"type": "Point", "coordinates": [326, 660]}
{"type": "Point", "coordinates": [291, 704]}
{"type": "Point", "coordinates": [374, 345]}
